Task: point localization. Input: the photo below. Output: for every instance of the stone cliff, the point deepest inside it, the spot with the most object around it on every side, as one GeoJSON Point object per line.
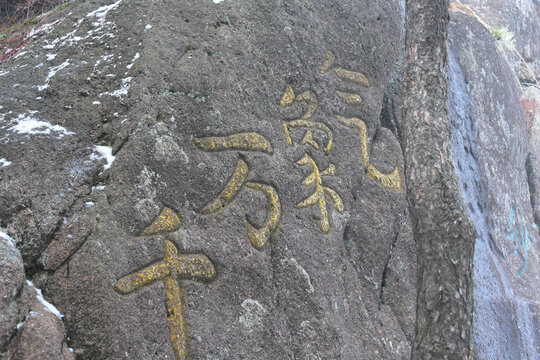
{"type": "Point", "coordinates": [224, 180]}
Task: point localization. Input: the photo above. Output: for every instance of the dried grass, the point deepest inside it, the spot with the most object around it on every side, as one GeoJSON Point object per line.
{"type": "Point", "coordinates": [17, 20]}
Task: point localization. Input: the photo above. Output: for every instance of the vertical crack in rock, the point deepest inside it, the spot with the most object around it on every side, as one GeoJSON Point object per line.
{"type": "Point", "coordinates": [397, 226]}
{"type": "Point", "coordinates": [531, 176]}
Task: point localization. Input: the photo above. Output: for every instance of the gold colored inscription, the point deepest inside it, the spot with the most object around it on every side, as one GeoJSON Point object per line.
{"type": "Point", "coordinates": [237, 180]}
{"type": "Point", "coordinates": [352, 76]}
{"type": "Point", "coordinates": [176, 318]}
{"type": "Point", "coordinates": [167, 221]}
{"type": "Point", "coordinates": [312, 103]}
{"type": "Point", "coordinates": [349, 98]}
{"type": "Point", "coordinates": [344, 74]}
{"type": "Point", "coordinates": [254, 142]}
{"type": "Point", "coordinates": [308, 137]}
{"type": "Point", "coordinates": [172, 268]}
{"type": "Point", "coordinates": [328, 61]}
{"type": "Point", "coordinates": [306, 122]}
{"type": "Point", "coordinates": [390, 181]}
{"type": "Point", "coordinates": [288, 96]}
{"type": "Point", "coordinates": [318, 197]}
{"type": "Point", "coordinates": [259, 236]}
{"type": "Point", "coordinates": [244, 141]}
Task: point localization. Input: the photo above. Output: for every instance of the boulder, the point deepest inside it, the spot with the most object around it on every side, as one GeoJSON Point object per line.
{"type": "Point", "coordinates": [530, 101]}
{"type": "Point", "coordinates": [11, 268]}
{"type": "Point", "coordinates": [40, 334]}
{"type": "Point", "coordinates": [212, 178]}
{"type": "Point", "coordinates": [490, 149]}
{"type": "Point", "coordinates": [519, 22]}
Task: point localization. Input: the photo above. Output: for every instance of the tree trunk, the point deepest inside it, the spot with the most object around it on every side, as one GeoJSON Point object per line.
{"type": "Point", "coordinates": [443, 232]}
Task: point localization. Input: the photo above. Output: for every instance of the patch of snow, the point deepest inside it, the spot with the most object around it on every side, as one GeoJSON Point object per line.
{"type": "Point", "coordinates": [2, 73]}
{"type": "Point", "coordinates": [4, 163]}
{"type": "Point", "coordinates": [50, 57]}
{"type": "Point", "coordinates": [8, 238]}
{"type": "Point", "coordinates": [46, 305]}
{"type": "Point", "coordinates": [15, 85]}
{"type": "Point", "coordinates": [120, 92]}
{"type": "Point", "coordinates": [137, 55]}
{"type": "Point", "coordinates": [53, 43]}
{"type": "Point", "coordinates": [66, 39]}
{"type": "Point", "coordinates": [38, 65]}
{"type": "Point", "coordinates": [105, 152]}
{"type": "Point", "coordinates": [99, 187]}
{"type": "Point", "coordinates": [101, 13]}
{"type": "Point", "coordinates": [53, 72]}
{"type": "Point", "coordinates": [39, 98]}
{"type": "Point", "coordinates": [31, 313]}
{"type": "Point", "coordinates": [96, 102]}
{"type": "Point", "coordinates": [89, 204]}
{"type": "Point", "coordinates": [45, 28]}
{"type": "Point", "coordinates": [147, 27]}
{"type": "Point", "coordinates": [20, 54]}
{"type": "Point", "coordinates": [27, 124]}
{"type": "Point", "coordinates": [217, 1]}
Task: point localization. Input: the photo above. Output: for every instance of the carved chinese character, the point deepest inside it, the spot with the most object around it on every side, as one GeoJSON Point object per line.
{"type": "Point", "coordinates": [319, 195]}
{"type": "Point", "coordinates": [306, 121]}
{"type": "Point", "coordinates": [258, 237]}
{"type": "Point", "coordinates": [390, 181]}
{"type": "Point", "coordinates": [343, 74]}
{"type": "Point", "coordinates": [171, 269]}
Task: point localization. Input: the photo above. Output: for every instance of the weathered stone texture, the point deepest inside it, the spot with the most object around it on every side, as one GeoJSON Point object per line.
{"type": "Point", "coordinates": [490, 151]}
{"type": "Point", "coordinates": [522, 19]}
{"type": "Point", "coordinates": [40, 334]}
{"type": "Point", "coordinates": [530, 101]}
{"type": "Point", "coordinates": [148, 79]}
{"type": "Point", "coordinates": [12, 281]}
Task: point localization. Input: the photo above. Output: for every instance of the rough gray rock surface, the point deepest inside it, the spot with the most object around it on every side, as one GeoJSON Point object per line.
{"type": "Point", "coordinates": [11, 268]}
{"type": "Point", "coordinates": [522, 18]}
{"type": "Point", "coordinates": [40, 334]}
{"type": "Point", "coordinates": [530, 100]}
{"type": "Point", "coordinates": [147, 81]}
{"type": "Point", "coordinates": [490, 151]}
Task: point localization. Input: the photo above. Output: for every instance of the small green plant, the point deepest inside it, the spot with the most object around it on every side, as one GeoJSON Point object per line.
{"type": "Point", "coordinates": [504, 36]}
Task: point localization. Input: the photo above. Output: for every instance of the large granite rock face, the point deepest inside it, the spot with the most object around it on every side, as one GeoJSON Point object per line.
{"type": "Point", "coordinates": [522, 19]}
{"type": "Point", "coordinates": [530, 100]}
{"type": "Point", "coordinates": [490, 150]}
{"type": "Point", "coordinates": [212, 179]}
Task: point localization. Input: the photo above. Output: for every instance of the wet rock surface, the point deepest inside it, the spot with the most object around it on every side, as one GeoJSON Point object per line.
{"type": "Point", "coordinates": [490, 150]}
{"type": "Point", "coordinates": [215, 167]}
